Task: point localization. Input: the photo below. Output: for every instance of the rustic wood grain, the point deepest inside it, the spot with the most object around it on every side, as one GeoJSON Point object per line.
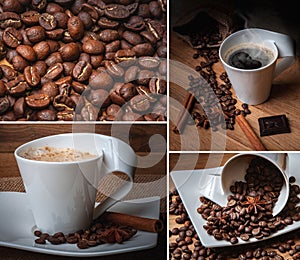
{"type": "Point", "coordinates": [284, 99]}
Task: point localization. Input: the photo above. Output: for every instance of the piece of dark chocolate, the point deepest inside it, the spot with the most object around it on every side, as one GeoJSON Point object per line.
{"type": "Point", "coordinates": [273, 125]}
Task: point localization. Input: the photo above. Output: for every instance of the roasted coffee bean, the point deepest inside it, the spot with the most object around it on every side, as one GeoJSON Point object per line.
{"type": "Point", "coordinates": [27, 52]}
{"type": "Point", "coordinates": [132, 38]}
{"type": "Point", "coordinates": [10, 19]}
{"type": "Point", "coordinates": [47, 115]}
{"type": "Point", "coordinates": [140, 103]}
{"type": "Point", "coordinates": [12, 37]}
{"type": "Point", "coordinates": [126, 57]}
{"type": "Point", "coordinates": [35, 34]}
{"type": "Point", "coordinates": [37, 101]}
{"type": "Point", "coordinates": [2, 89]}
{"type": "Point", "coordinates": [17, 86]}
{"type": "Point", "coordinates": [4, 104]}
{"type": "Point", "coordinates": [41, 67]}
{"type": "Point", "coordinates": [42, 50]}
{"type": "Point", "coordinates": [117, 12]}
{"type": "Point", "coordinates": [143, 49]}
{"type": "Point", "coordinates": [108, 35]}
{"type": "Point", "coordinates": [82, 71]}
{"type": "Point", "coordinates": [158, 86]}
{"type": "Point", "coordinates": [93, 47]}
{"type": "Point", "coordinates": [86, 19]}
{"type": "Point", "coordinates": [54, 71]}
{"type": "Point", "coordinates": [149, 62]}
{"type": "Point", "coordinates": [99, 98]}
{"type": "Point", "coordinates": [75, 27]}
{"type": "Point", "coordinates": [70, 52]}
{"type": "Point", "coordinates": [56, 34]}
{"type": "Point", "coordinates": [100, 80]}
{"type": "Point", "coordinates": [113, 69]}
{"type": "Point", "coordinates": [19, 63]}
{"type": "Point", "coordinates": [19, 107]}
{"type": "Point", "coordinates": [135, 23]}
{"type": "Point", "coordinates": [78, 87]}
{"type": "Point", "coordinates": [68, 68]}
{"type": "Point", "coordinates": [106, 23]}
{"type": "Point", "coordinates": [47, 21]}
{"type": "Point", "coordinates": [128, 91]}
{"type": "Point", "coordinates": [32, 76]}
{"type": "Point", "coordinates": [40, 241]}
{"type": "Point", "coordinates": [8, 72]}
{"type": "Point", "coordinates": [61, 19]}
{"type": "Point", "coordinates": [39, 5]}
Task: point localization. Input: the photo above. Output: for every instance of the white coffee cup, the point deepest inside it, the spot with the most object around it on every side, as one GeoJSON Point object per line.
{"type": "Point", "coordinates": [253, 86]}
{"type": "Point", "coordinates": [235, 170]}
{"type": "Point", "coordinates": [62, 195]}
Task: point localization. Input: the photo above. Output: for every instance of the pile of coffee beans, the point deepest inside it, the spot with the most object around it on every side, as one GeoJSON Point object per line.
{"type": "Point", "coordinates": [97, 234]}
{"type": "Point", "coordinates": [248, 213]}
{"type": "Point", "coordinates": [185, 244]}
{"type": "Point", "coordinates": [83, 60]}
{"type": "Point", "coordinates": [216, 99]}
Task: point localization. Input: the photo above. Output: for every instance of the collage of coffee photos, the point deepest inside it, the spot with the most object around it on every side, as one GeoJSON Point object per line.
{"type": "Point", "coordinates": [149, 129]}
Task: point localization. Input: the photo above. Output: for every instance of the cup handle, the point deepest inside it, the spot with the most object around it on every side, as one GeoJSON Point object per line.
{"type": "Point", "coordinates": [117, 157]}
{"type": "Point", "coordinates": [286, 50]}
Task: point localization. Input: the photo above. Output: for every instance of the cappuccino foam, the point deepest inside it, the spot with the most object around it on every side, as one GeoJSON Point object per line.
{"type": "Point", "coordinates": [53, 154]}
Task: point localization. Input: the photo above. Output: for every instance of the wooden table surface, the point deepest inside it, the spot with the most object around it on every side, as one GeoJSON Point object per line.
{"type": "Point", "coordinates": [284, 99]}
{"type": "Point", "coordinates": [210, 160]}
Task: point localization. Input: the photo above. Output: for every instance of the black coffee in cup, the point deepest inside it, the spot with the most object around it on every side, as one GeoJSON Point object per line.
{"type": "Point", "coordinates": [249, 56]}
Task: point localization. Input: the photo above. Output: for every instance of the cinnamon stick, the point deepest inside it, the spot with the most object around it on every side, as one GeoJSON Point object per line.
{"type": "Point", "coordinates": [139, 223]}
{"type": "Point", "coordinates": [187, 106]}
{"type": "Point", "coordinates": [251, 135]}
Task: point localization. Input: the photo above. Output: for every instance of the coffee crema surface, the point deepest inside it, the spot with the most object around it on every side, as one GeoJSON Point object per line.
{"type": "Point", "coordinates": [53, 154]}
{"type": "Point", "coordinates": [249, 56]}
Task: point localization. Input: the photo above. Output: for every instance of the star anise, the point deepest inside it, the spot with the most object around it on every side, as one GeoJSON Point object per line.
{"type": "Point", "coordinates": [254, 204]}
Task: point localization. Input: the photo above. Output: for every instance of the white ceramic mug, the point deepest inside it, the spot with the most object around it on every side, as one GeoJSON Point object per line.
{"type": "Point", "coordinates": [253, 86]}
{"type": "Point", "coordinates": [235, 170]}
{"type": "Point", "coordinates": [62, 195]}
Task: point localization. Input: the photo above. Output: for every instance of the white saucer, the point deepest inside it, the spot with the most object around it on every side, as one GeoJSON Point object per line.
{"type": "Point", "coordinates": [191, 184]}
{"type": "Point", "coordinates": [17, 223]}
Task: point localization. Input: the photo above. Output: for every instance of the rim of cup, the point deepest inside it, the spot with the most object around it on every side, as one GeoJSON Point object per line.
{"type": "Point", "coordinates": [271, 45]}
{"type": "Point", "coordinates": [228, 178]}
{"type": "Point", "coordinates": [32, 144]}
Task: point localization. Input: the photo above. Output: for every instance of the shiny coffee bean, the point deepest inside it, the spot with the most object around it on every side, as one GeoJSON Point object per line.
{"type": "Point", "coordinates": [70, 52]}
{"type": "Point", "coordinates": [100, 80]}
{"type": "Point", "coordinates": [50, 89]}
{"type": "Point", "coordinates": [54, 71]}
{"type": "Point", "coordinates": [143, 49]}
{"type": "Point", "coordinates": [4, 104]}
{"type": "Point", "coordinates": [27, 52]}
{"type": "Point", "coordinates": [61, 19]}
{"type": "Point", "coordinates": [8, 72]}
{"type": "Point", "coordinates": [46, 115]}
{"type": "Point", "coordinates": [37, 101]}
{"type": "Point", "coordinates": [10, 19]}
{"type": "Point", "coordinates": [108, 35]}
{"type": "Point", "coordinates": [140, 103]}
{"type": "Point", "coordinates": [32, 76]}
{"type": "Point", "coordinates": [53, 58]}
{"type": "Point", "coordinates": [19, 107]}
{"type": "Point", "coordinates": [41, 67]}
{"type": "Point", "coordinates": [132, 38]}
{"type": "Point", "coordinates": [116, 12]}
{"type": "Point", "coordinates": [42, 50]}
{"type": "Point", "coordinates": [75, 27]}
{"type": "Point", "coordinates": [19, 63]}
{"type": "Point", "coordinates": [82, 71]}
{"type": "Point", "coordinates": [12, 37]}
{"type": "Point", "coordinates": [47, 21]}
{"type": "Point", "coordinates": [30, 18]}
{"type": "Point", "coordinates": [35, 34]}
{"type": "Point", "coordinates": [93, 47]}
{"type": "Point", "coordinates": [56, 34]}
{"type": "Point", "coordinates": [17, 86]}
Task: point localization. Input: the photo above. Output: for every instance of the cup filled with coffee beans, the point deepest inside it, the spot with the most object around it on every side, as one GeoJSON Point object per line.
{"type": "Point", "coordinates": [62, 173]}
{"type": "Point", "coordinates": [250, 58]}
{"type": "Point", "coordinates": [254, 176]}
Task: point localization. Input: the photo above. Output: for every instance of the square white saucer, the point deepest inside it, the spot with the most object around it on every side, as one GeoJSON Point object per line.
{"type": "Point", "coordinates": [17, 223]}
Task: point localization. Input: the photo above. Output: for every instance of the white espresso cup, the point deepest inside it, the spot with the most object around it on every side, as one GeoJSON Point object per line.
{"type": "Point", "coordinates": [253, 86]}
{"type": "Point", "coordinates": [62, 194]}
{"type": "Point", "coordinates": [235, 170]}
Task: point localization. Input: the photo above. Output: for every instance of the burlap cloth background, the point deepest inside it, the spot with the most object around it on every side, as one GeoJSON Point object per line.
{"type": "Point", "coordinates": [144, 186]}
